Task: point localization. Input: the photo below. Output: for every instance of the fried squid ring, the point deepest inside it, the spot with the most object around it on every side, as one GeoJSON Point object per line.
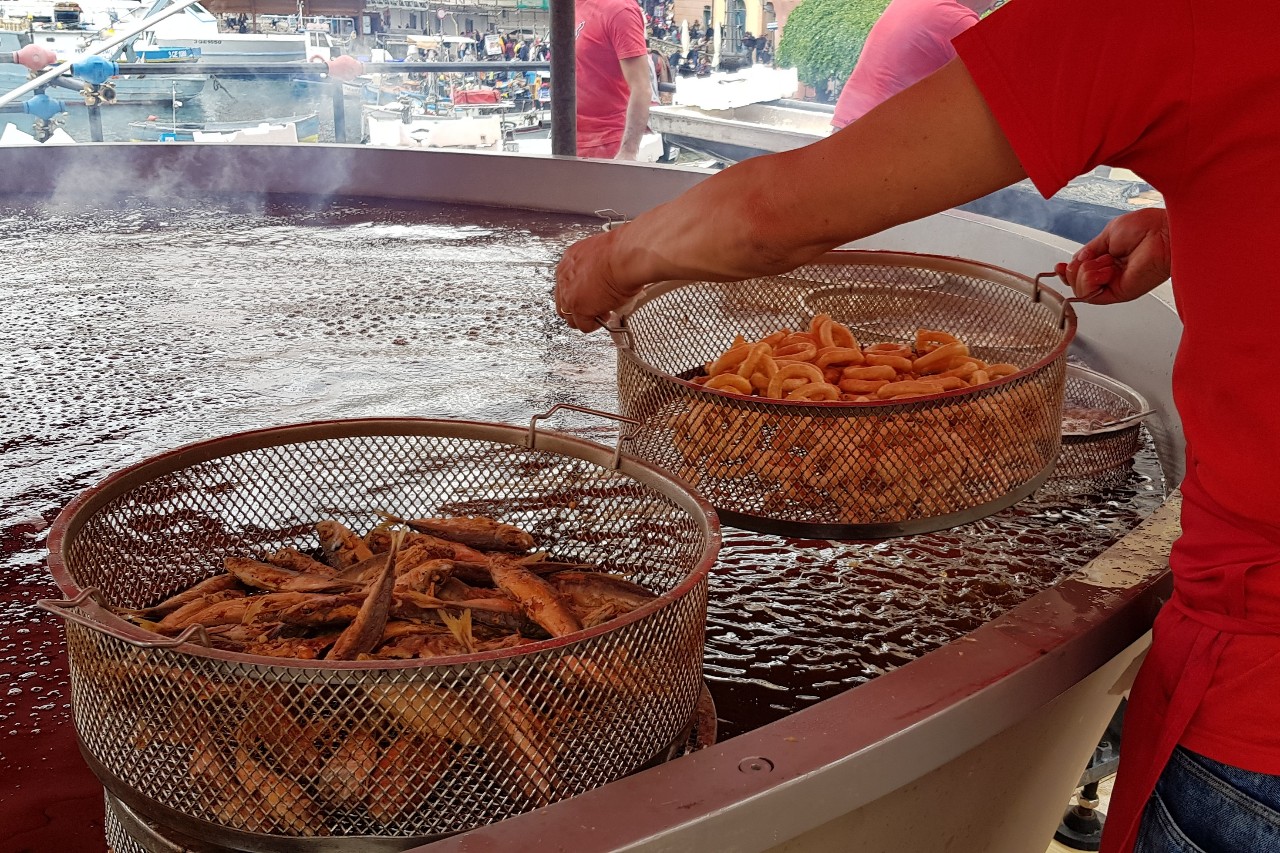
{"type": "Point", "coordinates": [829, 333]}
{"type": "Point", "coordinates": [880, 371]}
{"type": "Point", "coordinates": [755, 360]}
{"type": "Point", "coordinates": [796, 351]}
{"type": "Point", "coordinates": [862, 386]}
{"type": "Point", "coordinates": [839, 356]}
{"type": "Point", "coordinates": [940, 359]}
{"type": "Point", "coordinates": [791, 371]}
{"type": "Point", "coordinates": [928, 340]}
{"type": "Point", "coordinates": [729, 360]}
{"type": "Point", "coordinates": [900, 350]}
{"type": "Point", "coordinates": [897, 362]}
{"type": "Point", "coordinates": [729, 382]}
{"type": "Point", "coordinates": [776, 338]}
{"type": "Point", "coordinates": [815, 391]}
{"type": "Point", "coordinates": [963, 371]}
{"type": "Point", "coordinates": [913, 387]}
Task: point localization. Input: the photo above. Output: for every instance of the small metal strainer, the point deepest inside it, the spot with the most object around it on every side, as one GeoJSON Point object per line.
{"type": "Point", "coordinates": [1101, 427]}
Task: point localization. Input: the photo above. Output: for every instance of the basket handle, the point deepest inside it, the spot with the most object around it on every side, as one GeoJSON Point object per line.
{"type": "Point", "coordinates": [617, 448]}
{"type": "Point", "coordinates": [64, 607]}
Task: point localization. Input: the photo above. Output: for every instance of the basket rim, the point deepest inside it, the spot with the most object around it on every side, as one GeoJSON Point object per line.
{"type": "Point", "coordinates": [1038, 292]}
{"type": "Point", "coordinates": [71, 518]}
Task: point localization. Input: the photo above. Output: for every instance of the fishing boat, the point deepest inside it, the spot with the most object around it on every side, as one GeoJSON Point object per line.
{"type": "Point", "coordinates": [307, 128]}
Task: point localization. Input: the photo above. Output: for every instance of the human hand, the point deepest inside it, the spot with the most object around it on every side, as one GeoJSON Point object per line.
{"type": "Point", "coordinates": [1129, 258]}
{"type": "Point", "coordinates": [586, 287]}
{"type": "Point", "coordinates": [625, 153]}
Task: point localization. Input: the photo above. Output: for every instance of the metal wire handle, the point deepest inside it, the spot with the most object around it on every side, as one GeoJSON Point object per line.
{"type": "Point", "coordinates": [612, 218]}
{"type": "Point", "coordinates": [622, 436]}
{"type": "Point", "coordinates": [1069, 299]}
{"type": "Point", "coordinates": [64, 607]}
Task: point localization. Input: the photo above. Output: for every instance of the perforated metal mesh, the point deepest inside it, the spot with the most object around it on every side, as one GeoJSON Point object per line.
{"type": "Point", "coordinates": [1087, 461]}
{"type": "Point", "coordinates": [413, 748]}
{"type": "Point", "coordinates": [118, 839]}
{"type": "Point", "coordinates": [851, 469]}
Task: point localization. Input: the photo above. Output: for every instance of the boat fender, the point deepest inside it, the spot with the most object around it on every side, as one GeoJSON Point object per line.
{"type": "Point", "coordinates": [94, 70]}
{"type": "Point", "coordinates": [35, 57]}
{"type": "Point", "coordinates": [43, 106]}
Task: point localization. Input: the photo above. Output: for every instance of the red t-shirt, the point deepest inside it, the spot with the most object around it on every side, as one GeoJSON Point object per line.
{"type": "Point", "coordinates": [910, 41]}
{"type": "Point", "coordinates": [1188, 97]}
{"type": "Point", "coordinates": [607, 31]}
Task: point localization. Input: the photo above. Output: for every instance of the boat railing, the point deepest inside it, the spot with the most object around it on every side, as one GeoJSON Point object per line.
{"type": "Point", "coordinates": [311, 72]}
{"type": "Point", "coordinates": [44, 78]}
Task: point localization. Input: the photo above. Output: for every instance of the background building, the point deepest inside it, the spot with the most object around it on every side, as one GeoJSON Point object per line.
{"type": "Point", "coordinates": [738, 17]}
{"type": "Point", "coordinates": [446, 17]}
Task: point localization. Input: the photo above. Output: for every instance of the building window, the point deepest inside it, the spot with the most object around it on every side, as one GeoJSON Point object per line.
{"type": "Point", "coordinates": [706, 16]}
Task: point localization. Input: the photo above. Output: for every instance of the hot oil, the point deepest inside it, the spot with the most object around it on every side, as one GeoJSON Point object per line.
{"type": "Point", "coordinates": [792, 622]}
{"type": "Point", "coordinates": [144, 325]}
{"type": "Point", "coordinates": [138, 327]}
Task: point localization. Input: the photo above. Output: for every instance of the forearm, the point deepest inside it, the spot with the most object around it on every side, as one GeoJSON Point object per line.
{"type": "Point", "coordinates": [635, 70]}
{"type": "Point", "coordinates": [637, 121]}
{"type": "Point", "coordinates": [928, 149]}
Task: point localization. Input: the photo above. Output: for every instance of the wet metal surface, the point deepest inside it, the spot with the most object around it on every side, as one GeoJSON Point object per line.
{"type": "Point", "coordinates": [136, 328]}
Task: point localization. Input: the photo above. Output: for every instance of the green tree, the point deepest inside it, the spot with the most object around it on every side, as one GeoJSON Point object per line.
{"type": "Point", "coordinates": [823, 38]}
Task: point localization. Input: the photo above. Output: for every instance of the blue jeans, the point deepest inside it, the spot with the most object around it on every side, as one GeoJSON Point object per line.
{"type": "Point", "coordinates": [1201, 806]}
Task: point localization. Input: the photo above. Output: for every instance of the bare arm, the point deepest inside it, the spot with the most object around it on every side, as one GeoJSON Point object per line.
{"type": "Point", "coordinates": [929, 148]}
{"type": "Point", "coordinates": [636, 72]}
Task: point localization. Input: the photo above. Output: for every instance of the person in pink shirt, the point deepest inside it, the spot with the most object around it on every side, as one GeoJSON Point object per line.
{"type": "Point", "coordinates": [613, 78]}
{"type": "Point", "coordinates": [910, 41]}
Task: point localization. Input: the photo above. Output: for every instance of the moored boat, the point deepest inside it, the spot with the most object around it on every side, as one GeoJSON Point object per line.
{"type": "Point", "coordinates": [734, 134]}
{"type": "Point", "coordinates": [307, 127]}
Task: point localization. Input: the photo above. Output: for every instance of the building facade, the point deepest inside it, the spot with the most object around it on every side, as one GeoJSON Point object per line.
{"type": "Point", "coordinates": [407, 17]}
{"type": "Point", "coordinates": [737, 17]}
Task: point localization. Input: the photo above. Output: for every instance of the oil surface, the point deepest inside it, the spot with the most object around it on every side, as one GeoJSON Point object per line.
{"type": "Point", "coordinates": [138, 327]}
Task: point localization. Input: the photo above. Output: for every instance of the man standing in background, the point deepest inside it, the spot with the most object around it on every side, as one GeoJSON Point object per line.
{"type": "Point", "coordinates": [613, 78]}
{"type": "Point", "coordinates": [910, 41]}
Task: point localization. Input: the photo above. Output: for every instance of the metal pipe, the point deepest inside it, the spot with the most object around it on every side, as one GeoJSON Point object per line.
{"type": "Point", "coordinates": [564, 81]}
{"type": "Point", "coordinates": [339, 112]}
{"type": "Point", "coordinates": [95, 122]}
{"type": "Point", "coordinates": [128, 35]}
{"type": "Point", "coordinates": [316, 69]}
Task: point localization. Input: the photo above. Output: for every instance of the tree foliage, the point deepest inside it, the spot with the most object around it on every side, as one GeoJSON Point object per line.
{"type": "Point", "coordinates": [823, 38]}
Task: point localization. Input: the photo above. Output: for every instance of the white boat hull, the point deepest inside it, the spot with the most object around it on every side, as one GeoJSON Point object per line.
{"type": "Point", "coordinates": [243, 49]}
{"type": "Point", "coordinates": [735, 134]}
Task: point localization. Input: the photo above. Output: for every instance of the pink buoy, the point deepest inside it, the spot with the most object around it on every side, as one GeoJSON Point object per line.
{"type": "Point", "coordinates": [35, 58]}
{"type": "Point", "coordinates": [345, 68]}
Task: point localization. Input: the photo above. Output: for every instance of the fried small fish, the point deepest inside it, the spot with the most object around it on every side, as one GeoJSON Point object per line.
{"type": "Point", "coordinates": [476, 531]}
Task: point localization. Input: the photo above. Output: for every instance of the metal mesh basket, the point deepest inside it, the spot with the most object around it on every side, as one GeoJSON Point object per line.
{"type": "Point", "coordinates": [1101, 431]}
{"type": "Point", "coordinates": [843, 469]}
{"type": "Point", "coordinates": [245, 751]}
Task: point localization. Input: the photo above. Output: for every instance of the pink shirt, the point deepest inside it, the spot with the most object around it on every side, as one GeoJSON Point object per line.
{"type": "Point", "coordinates": [910, 41]}
{"type": "Point", "coordinates": [607, 31]}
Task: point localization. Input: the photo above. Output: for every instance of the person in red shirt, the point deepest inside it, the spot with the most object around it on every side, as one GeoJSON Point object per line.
{"type": "Point", "coordinates": [908, 42]}
{"type": "Point", "coordinates": [612, 63]}
{"type": "Point", "coordinates": [1050, 89]}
